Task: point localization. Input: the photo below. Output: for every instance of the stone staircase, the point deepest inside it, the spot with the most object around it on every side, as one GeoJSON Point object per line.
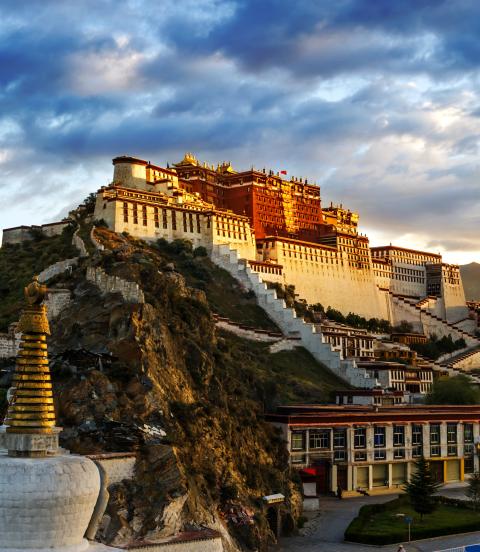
{"type": "Point", "coordinates": [448, 366]}
{"type": "Point", "coordinates": [453, 360]}
{"type": "Point", "coordinates": [432, 322]}
{"type": "Point", "coordinates": [286, 319]}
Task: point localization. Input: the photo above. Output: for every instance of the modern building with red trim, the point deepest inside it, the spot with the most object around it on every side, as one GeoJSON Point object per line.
{"type": "Point", "coordinates": [368, 448]}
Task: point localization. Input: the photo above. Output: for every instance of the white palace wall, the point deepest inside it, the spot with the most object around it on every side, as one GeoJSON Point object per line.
{"type": "Point", "coordinates": [173, 220]}
{"type": "Point", "coordinates": [324, 275]}
{"type": "Point", "coordinates": [454, 302]}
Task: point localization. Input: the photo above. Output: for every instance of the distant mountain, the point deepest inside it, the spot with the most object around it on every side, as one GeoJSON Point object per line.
{"type": "Point", "coordinates": [471, 281]}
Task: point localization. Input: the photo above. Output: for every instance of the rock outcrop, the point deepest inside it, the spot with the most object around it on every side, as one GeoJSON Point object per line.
{"type": "Point", "coordinates": [155, 377]}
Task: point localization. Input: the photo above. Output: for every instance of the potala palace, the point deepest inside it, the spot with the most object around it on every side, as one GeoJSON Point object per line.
{"type": "Point", "coordinates": [281, 230]}
{"type": "Point", "coordinates": [264, 228]}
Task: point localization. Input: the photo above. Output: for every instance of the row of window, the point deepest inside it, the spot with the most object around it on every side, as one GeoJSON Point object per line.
{"type": "Point", "coordinates": [320, 438]}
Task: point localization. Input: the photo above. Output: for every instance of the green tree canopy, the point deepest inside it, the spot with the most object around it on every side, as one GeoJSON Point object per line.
{"type": "Point", "coordinates": [456, 390]}
{"type": "Point", "coordinates": [421, 488]}
{"type": "Point", "coordinates": [473, 489]}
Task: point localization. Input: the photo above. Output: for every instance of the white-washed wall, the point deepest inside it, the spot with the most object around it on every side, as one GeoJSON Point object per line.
{"type": "Point", "coordinates": [57, 268]}
{"type": "Point", "coordinates": [9, 344]}
{"type": "Point", "coordinates": [130, 291]}
{"type": "Point", "coordinates": [117, 466]}
{"type": "Point", "coordinates": [325, 276]}
{"type": "Point", "coordinates": [57, 300]}
{"type": "Point", "coordinates": [204, 545]}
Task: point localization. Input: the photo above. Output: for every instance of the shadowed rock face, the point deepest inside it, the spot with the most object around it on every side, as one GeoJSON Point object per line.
{"type": "Point", "coordinates": [155, 378]}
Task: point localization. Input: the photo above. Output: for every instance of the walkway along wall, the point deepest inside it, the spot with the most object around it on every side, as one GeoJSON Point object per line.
{"type": "Point", "coordinates": [287, 320]}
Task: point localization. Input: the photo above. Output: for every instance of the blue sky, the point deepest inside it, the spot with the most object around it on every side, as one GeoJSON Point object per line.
{"type": "Point", "coordinates": [376, 101]}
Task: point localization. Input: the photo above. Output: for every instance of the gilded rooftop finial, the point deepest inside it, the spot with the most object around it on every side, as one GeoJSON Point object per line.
{"type": "Point", "coordinates": [31, 408]}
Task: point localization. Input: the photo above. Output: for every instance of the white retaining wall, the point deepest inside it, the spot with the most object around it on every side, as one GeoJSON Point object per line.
{"type": "Point", "coordinates": [9, 344]}
{"type": "Point", "coordinates": [94, 240]}
{"type": "Point", "coordinates": [57, 268]}
{"type": "Point", "coordinates": [79, 243]}
{"type": "Point", "coordinates": [286, 319]}
{"type": "Point", "coordinates": [204, 545]}
{"type": "Point", "coordinates": [130, 291]}
{"type": "Point", "coordinates": [57, 300]}
{"type": "Point", "coordinates": [423, 321]}
{"type": "Point", "coordinates": [117, 466]}
{"type": "Point", "coordinates": [470, 362]}
{"type": "Point", "coordinates": [246, 334]}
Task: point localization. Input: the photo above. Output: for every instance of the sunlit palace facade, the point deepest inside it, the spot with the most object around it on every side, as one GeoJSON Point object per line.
{"type": "Point", "coordinates": [279, 226]}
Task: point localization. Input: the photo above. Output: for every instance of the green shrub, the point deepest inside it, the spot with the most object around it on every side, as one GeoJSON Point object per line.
{"type": "Point", "coordinates": [200, 251]}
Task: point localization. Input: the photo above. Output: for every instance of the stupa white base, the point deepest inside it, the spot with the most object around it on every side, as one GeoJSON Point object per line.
{"type": "Point", "coordinates": [46, 504]}
{"type": "Point", "coordinates": [81, 547]}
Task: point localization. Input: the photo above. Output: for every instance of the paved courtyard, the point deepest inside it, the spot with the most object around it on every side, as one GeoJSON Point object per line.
{"type": "Point", "coordinates": [325, 528]}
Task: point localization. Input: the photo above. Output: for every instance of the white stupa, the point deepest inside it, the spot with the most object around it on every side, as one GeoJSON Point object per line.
{"type": "Point", "coordinates": [47, 496]}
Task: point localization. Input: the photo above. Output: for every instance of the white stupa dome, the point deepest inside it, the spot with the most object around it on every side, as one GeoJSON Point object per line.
{"type": "Point", "coordinates": [46, 504]}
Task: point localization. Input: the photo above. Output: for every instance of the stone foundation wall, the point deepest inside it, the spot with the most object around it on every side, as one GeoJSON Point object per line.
{"type": "Point", "coordinates": [117, 466]}
{"type": "Point", "coordinates": [9, 344]}
{"type": "Point", "coordinates": [57, 300]}
{"type": "Point", "coordinates": [204, 545]}
{"type": "Point", "coordinates": [57, 268]}
{"type": "Point", "coordinates": [130, 291]}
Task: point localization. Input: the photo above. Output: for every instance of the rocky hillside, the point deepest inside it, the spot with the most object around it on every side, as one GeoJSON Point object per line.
{"type": "Point", "coordinates": [159, 379]}
{"type": "Point", "coordinates": [19, 262]}
{"type": "Point", "coordinates": [471, 281]}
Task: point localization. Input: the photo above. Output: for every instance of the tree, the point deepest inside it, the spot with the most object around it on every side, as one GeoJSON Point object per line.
{"type": "Point", "coordinates": [456, 390]}
{"type": "Point", "coordinates": [89, 202]}
{"type": "Point", "coordinates": [421, 488]}
{"type": "Point", "coordinates": [473, 489]}
{"type": "Point", "coordinates": [404, 327]}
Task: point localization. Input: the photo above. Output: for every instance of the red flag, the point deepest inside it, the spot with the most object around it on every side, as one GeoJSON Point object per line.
{"type": "Point", "coordinates": [283, 172]}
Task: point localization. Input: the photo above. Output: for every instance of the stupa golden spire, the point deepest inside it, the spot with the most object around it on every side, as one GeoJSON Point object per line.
{"type": "Point", "coordinates": [31, 409]}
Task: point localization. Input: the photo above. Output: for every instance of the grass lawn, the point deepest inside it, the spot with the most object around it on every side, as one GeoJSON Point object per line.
{"type": "Point", "coordinates": [380, 524]}
{"type": "Point", "coordinates": [284, 377]}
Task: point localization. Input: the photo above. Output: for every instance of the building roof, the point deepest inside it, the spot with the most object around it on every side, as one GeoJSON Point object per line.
{"type": "Point", "coordinates": [308, 414]}
{"type": "Point", "coordinates": [128, 159]}
{"type": "Point", "coordinates": [369, 393]}
{"type": "Point", "coordinates": [379, 365]}
{"type": "Point", "coordinates": [396, 248]}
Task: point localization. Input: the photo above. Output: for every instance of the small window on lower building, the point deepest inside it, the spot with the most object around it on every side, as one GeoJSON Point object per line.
{"type": "Point", "coordinates": [319, 439]}
{"type": "Point", "coordinates": [298, 440]}
{"type": "Point", "coordinates": [399, 453]}
{"type": "Point", "coordinates": [469, 464]}
{"type": "Point", "coordinates": [360, 456]}
{"type": "Point", "coordinates": [380, 454]}
{"type": "Point", "coordinates": [417, 451]}
{"type": "Point", "coordinates": [452, 450]}
{"type": "Point", "coordinates": [435, 450]}
{"type": "Point", "coordinates": [340, 455]}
